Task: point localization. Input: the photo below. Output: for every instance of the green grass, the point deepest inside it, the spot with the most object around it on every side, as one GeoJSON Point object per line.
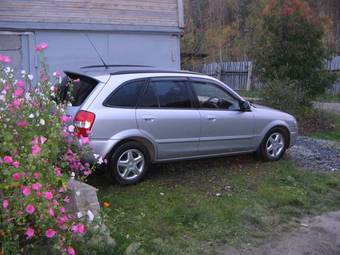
{"type": "Point", "coordinates": [176, 209]}
{"type": "Point", "coordinates": [329, 98]}
{"type": "Point", "coordinates": [334, 134]}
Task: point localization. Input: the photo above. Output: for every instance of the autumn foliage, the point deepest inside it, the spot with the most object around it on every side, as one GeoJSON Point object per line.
{"type": "Point", "coordinates": [290, 55]}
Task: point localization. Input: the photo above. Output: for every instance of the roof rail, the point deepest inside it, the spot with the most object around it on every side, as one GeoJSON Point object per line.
{"type": "Point", "coordinates": [106, 66]}
{"type": "Point", "coordinates": [151, 71]}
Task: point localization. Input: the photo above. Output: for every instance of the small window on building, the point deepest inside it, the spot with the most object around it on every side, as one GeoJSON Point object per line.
{"type": "Point", "coordinates": [126, 95]}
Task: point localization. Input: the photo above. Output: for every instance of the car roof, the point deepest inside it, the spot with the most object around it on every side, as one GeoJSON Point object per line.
{"type": "Point", "coordinates": [102, 73]}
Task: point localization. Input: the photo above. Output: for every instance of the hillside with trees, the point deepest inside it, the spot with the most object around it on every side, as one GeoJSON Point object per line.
{"type": "Point", "coordinates": [220, 30]}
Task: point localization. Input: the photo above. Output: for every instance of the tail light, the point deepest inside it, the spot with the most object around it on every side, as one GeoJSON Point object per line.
{"type": "Point", "coordinates": [83, 123]}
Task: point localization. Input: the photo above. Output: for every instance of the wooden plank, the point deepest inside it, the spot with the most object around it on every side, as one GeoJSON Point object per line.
{"type": "Point", "coordinates": [132, 12]}
{"type": "Point", "coordinates": [180, 7]}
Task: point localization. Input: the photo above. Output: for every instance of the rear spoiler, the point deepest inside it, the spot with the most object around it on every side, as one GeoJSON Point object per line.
{"type": "Point", "coordinates": [76, 76]}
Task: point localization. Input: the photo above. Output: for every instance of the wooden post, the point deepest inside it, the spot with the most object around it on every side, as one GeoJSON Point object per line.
{"type": "Point", "coordinates": [180, 13]}
{"type": "Point", "coordinates": [250, 70]}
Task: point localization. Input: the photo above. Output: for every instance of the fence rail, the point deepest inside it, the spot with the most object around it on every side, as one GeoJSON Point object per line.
{"type": "Point", "coordinates": [239, 74]}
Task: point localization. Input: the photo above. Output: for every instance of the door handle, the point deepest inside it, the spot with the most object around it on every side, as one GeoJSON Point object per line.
{"type": "Point", "coordinates": [211, 118]}
{"type": "Point", "coordinates": [148, 118]}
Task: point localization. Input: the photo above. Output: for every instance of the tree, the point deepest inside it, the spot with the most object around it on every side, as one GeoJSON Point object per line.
{"type": "Point", "coordinates": [289, 54]}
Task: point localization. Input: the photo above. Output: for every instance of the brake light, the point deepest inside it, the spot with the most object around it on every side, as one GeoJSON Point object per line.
{"type": "Point", "coordinates": [83, 123]}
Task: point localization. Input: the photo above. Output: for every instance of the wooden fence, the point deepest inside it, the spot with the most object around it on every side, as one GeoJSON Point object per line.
{"type": "Point", "coordinates": [239, 74]}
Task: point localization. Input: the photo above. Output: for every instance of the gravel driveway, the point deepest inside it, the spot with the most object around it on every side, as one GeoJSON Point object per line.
{"type": "Point", "coordinates": [316, 154]}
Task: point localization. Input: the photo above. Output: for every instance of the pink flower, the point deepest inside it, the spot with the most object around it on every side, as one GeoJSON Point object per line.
{"type": "Point", "coordinates": [84, 140]}
{"type": "Point", "coordinates": [57, 171]}
{"type": "Point", "coordinates": [29, 233]}
{"type": "Point", "coordinates": [26, 191]}
{"type": "Point", "coordinates": [36, 175]}
{"type": "Point", "coordinates": [5, 59]}
{"type": "Point", "coordinates": [36, 149]}
{"type": "Point", "coordinates": [5, 203]}
{"type": "Point", "coordinates": [36, 186]}
{"type": "Point", "coordinates": [18, 92]}
{"type": "Point", "coordinates": [16, 103]}
{"type": "Point", "coordinates": [48, 195]}
{"type": "Point", "coordinates": [22, 123]}
{"type": "Point", "coordinates": [16, 177]}
{"type": "Point", "coordinates": [65, 118]}
{"type": "Point", "coordinates": [43, 139]}
{"type": "Point", "coordinates": [20, 83]}
{"type": "Point", "coordinates": [62, 210]}
{"type": "Point", "coordinates": [41, 47]}
{"type": "Point", "coordinates": [16, 164]}
{"type": "Point", "coordinates": [51, 212]}
{"type": "Point", "coordinates": [8, 159]}
{"type": "Point", "coordinates": [71, 251]}
{"type": "Point", "coordinates": [50, 233]}
{"type": "Point", "coordinates": [30, 209]}
{"type": "Point", "coordinates": [78, 229]}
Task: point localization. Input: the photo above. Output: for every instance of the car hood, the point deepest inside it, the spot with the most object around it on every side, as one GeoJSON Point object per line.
{"type": "Point", "coordinates": [273, 112]}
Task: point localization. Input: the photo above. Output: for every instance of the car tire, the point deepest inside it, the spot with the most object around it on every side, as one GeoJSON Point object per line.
{"type": "Point", "coordinates": [273, 146]}
{"type": "Point", "coordinates": [129, 163]}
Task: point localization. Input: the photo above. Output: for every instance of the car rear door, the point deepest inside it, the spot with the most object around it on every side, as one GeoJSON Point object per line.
{"type": "Point", "coordinates": [224, 127]}
{"type": "Point", "coordinates": [166, 114]}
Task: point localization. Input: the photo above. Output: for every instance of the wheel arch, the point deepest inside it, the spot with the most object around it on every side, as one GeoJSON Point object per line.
{"type": "Point", "coordinates": [142, 141]}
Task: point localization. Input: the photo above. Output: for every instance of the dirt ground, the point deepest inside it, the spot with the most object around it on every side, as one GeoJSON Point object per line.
{"type": "Point", "coordinates": [316, 236]}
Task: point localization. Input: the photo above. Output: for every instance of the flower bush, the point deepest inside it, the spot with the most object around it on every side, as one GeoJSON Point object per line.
{"type": "Point", "coordinates": [289, 54]}
{"type": "Point", "coordinates": [38, 154]}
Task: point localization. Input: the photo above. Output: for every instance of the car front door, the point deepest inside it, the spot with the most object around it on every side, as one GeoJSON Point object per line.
{"type": "Point", "coordinates": [225, 128]}
{"type": "Point", "coordinates": [166, 114]}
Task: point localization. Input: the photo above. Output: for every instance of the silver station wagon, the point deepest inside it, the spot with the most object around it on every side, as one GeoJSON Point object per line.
{"type": "Point", "coordinates": [136, 116]}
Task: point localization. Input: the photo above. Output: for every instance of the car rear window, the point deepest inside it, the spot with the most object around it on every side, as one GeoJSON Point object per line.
{"type": "Point", "coordinates": [127, 95]}
{"type": "Point", "coordinates": [167, 94]}
{"type": "Point", "coordinates": [82, 86]}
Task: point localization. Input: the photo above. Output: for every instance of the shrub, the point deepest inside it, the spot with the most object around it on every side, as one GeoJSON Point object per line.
{"type": "Point", "coordinates": [289, 53]}
{"type": "Point", "coordinates": [38, 154]}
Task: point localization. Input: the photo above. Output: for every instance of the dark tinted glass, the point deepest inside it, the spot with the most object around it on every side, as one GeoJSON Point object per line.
{"type": "Point", "coordinates": [81, 89]}
{"type": "Point", "coordinates": [127, 95]}
{"type": "Point", "coordinates": [211, 96]}
{"type": "Point", "coordinates": [150, 99]}
{"type": "Point", "coordinates": [172, 94]}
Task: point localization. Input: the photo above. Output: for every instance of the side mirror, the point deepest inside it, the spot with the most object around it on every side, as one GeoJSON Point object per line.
{"type": "Point", "coordinates": [245, 106]}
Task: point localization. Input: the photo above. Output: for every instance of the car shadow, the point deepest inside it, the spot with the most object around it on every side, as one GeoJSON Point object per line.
{"type": "Point", "coordinates": [182, 172]}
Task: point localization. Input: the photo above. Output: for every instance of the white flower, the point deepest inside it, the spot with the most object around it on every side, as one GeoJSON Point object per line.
{"type": "Point", "coordinates": [23, 72]}
{"type": "Point", "coordinates": [30, 77]}
{"type": "Point", "coordinates": [31, 116]}
{"type": "Point", "coordinates": [96, 156]}
{"type": "Point", "coordinates": [52, 88]}
{"type": "Point", "coordinates": [78, 193]}
{"type": "Point", "coordinates": [71, 128]}
{"type": "Point", "coordinates": [7, 69]}
{"type": "Point", "coordinates": [79, 214]}
{"type": "Point", "coordinates": [90, 215]}
{"type": "Point", "coordinates": [100, 160]}
{"type": "Point", "coordinates": [28, 96]}
{"type": "Point", "coordinates": [42, 122]}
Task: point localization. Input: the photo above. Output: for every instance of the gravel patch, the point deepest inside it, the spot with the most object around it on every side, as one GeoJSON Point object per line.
{"type": "Point", "coordinates": [316, 154]}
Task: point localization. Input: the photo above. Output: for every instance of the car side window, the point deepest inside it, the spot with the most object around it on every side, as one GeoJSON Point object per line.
{"type": "Point", "coordinates": [126, 95]}
{"type": "Point", "coordinates": [167, 94]}
{"type": "Point", "coordinates": [211, 96]}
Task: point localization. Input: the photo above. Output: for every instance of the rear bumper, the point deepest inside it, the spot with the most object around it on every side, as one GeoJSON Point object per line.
{"type": "Point", "coordinates": [101, 148]}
